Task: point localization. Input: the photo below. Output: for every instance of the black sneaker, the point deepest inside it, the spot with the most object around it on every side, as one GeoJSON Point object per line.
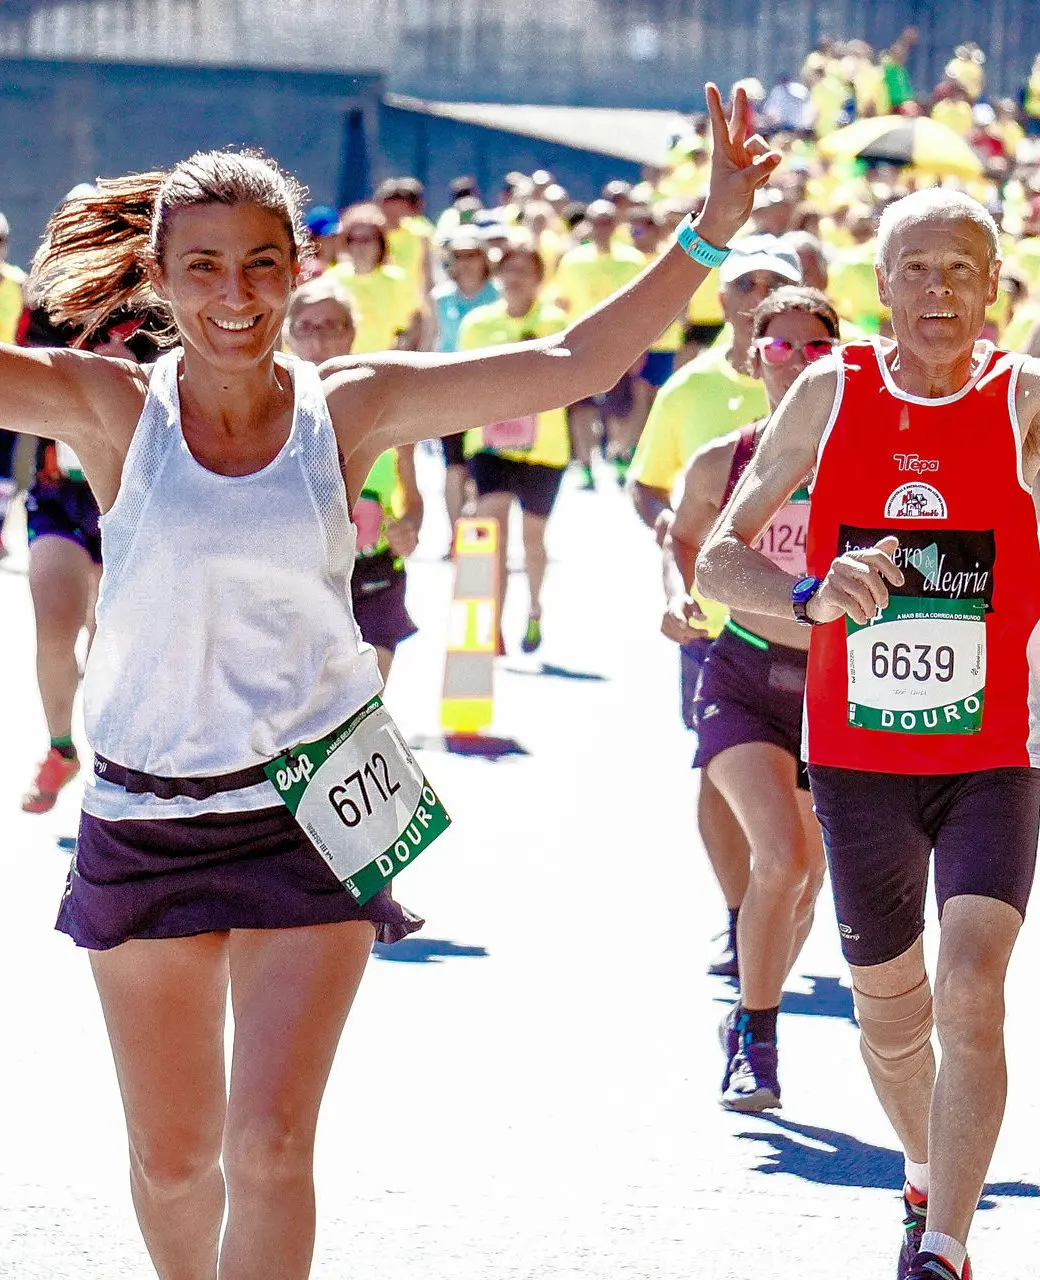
{"type": "Point", "coordinates": [752, 1083]}
{"type": "Point", "coordinates": [929, 1266]}
{"type": "Point", "coordinates": [725, 964]}
{"type": "Point", "coordinates": [916, 1207]}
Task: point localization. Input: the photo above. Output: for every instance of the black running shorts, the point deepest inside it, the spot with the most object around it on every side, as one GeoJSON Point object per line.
{"type": "Point", "coordinates": [533, 484]}
{"type": "Point", "coordinates": [881, 828]}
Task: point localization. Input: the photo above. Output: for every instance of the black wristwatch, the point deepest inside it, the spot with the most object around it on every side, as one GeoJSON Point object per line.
{"type": "Point", "coordinates": [801, 593]}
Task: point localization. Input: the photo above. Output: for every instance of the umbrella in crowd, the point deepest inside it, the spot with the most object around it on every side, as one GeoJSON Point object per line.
{"type": "Point", "coordinates": [916, 140]}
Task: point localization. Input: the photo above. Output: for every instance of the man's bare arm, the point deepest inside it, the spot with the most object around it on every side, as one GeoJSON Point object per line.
{"type": "Point", "coordinates": [729, 570]}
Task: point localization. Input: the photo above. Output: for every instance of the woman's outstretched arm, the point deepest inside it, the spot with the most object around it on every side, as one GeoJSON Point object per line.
{"type": "Point", "coordinates": [398, 398]}
{"type": "Point", "coordinates": [66, 395]}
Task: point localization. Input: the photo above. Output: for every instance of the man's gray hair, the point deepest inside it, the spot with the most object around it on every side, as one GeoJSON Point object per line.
{"type": "Point", "coordinates": [934, 202]}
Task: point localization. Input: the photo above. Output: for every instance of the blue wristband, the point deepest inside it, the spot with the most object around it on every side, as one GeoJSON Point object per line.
{"type": "Point", "coordinates": [699, 250]}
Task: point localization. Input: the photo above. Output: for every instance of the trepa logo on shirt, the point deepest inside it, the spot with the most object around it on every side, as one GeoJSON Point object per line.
{"type": "Point", "coordinates": [911, 462]}
{"type": "Point", "coordinates": [915, 502]}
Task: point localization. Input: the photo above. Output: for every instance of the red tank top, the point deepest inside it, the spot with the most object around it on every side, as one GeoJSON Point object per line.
{"type": "Point", "coordinates": [784, 537]}
{"type": "Point", "coordinates": [939, 682]}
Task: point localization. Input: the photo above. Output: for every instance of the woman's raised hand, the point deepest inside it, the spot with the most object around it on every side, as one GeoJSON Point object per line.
{"type": "Point", "coordinates": [739, 166]}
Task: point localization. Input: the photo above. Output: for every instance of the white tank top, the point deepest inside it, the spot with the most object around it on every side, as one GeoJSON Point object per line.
{"type": "Point", "coordinates": [225, 632]}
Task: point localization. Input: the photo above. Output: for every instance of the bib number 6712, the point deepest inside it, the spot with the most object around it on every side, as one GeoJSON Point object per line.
{"type": "Point", "coordinates": [374, 774]}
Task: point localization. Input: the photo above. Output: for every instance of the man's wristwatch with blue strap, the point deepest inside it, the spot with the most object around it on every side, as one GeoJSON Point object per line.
{"type": "Point", "coordinates": [801, 593]}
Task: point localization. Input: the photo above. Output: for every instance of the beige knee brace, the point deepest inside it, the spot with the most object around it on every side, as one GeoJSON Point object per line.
{"type": "Point", "coordinates": [895, 1033]}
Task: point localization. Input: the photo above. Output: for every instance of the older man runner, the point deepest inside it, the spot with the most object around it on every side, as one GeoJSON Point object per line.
{"type": "Point", "coordinates": [925, 598]}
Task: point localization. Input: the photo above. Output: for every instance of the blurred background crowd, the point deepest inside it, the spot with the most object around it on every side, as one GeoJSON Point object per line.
{"type": "Point", "coordinates": [482, 259]}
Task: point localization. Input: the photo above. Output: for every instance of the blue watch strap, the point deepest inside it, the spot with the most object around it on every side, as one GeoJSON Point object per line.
{"type": "Point", "coordinates": [698, 249]}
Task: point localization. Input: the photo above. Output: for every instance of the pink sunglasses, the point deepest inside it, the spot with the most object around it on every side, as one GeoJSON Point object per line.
{"type": "Point", "coordinates": [779, 350]}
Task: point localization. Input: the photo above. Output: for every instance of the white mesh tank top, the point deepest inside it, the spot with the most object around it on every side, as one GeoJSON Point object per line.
{"type": "Point", "coordinates": [225, 632]}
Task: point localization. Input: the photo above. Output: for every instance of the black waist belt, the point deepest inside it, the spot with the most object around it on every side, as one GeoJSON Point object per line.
{"type": "Point", "coordinates": [137, 783]}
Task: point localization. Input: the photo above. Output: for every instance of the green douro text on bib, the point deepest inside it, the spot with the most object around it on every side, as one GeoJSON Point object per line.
{"type": "Point", "coordinates": [919, 667]}
{"type": "Point", "coordinates": [362, 799]}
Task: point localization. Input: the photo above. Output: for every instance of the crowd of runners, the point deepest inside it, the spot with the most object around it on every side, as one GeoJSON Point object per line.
{"type": "Point", "coordinates": [815, 376]}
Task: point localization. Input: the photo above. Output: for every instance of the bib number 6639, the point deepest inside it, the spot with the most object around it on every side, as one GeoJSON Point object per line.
{"type": "Point", "coordinates": [920, 661]}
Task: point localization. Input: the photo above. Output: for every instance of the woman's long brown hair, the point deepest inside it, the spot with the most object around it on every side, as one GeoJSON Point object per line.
{"type": "Point", "coordinates": [97, 247]}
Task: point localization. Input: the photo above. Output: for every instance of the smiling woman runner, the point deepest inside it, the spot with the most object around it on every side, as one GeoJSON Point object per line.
{"type": "Point", "coordinates": [205, 667]}
{"type": "Point", "coordinates": [749, 706]}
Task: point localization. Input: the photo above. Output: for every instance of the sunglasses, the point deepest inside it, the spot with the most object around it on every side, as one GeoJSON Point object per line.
{"type": "Point", "coordinates": [779, 350]}
{"type": "Point", "coordinates": [308, 329]}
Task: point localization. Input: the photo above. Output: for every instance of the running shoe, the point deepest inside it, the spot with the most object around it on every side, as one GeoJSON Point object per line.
{"type": "Point", "coordinates": [532, 636]}
{"type": "Point", "coordinates": [752, 1080]}
{"type": "Point", "coordinates": [588, 481]}
{"type": "Point", "coordinates": [929, 1266]}
{"type": "Point", "coordinates": [729, 1040]}
{"type": "Point", "coordinates": [54, 772]}
{"type": "Point", "coordinates": [916, 1206]}
{"type": "Point", "coordinates": [725, 964]}
{"type": "Point", "coordinates": [622, 462]}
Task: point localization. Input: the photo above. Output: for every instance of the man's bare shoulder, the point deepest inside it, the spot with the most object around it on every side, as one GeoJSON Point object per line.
{"type": "Point", "coordinates": [816, 388]}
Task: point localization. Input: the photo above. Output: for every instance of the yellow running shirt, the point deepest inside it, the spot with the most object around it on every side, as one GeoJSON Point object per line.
{"type": "Point", "coordinates": [408, 244]}
{"type": "Point", "coordinates": [705, 399]}
{"type": "Point", "coordinates": [586, 277]}
{"type": "Point", "coordinates": [490, 326]}
{"type": "Point", "coordinates": [384, 303]}
{"type": "Point", "coordinates": [11, 302]}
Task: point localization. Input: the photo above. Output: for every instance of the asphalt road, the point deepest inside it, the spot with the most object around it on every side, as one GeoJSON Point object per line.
{"type": "Point", "coordinates": [527, 1088]}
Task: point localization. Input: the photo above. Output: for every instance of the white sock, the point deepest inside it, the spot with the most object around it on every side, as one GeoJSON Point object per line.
{"type": "Point", "coordinates": [946, 1247]}
{"type": "Point", "coordinates": [916, 1175]}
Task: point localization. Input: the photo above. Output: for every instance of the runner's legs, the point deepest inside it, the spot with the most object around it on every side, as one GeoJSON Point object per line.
{"type": "Point", "coordinates": [164, 1004]}
{"type": "Point", "coordinates": [63, 582]}
{"type": "Point", "coordinates": [455, 477]}
{"type": "Point", "coordinates": [291, 991]}
{"type": "Point", "coordinates": [495, 506]}
{"type": "Point", "coordinates": [978, 935]}
{"type": "Point", "coordinates": [584, 421]}
{"type": "Point", "coordinates": [907, 1101]}
{"type": "Point", "coordinates": [758, 781]}
{"type": "Point", "coordinates": [535, 559]}
{"type": "Point", "coordinates": [724, 841]}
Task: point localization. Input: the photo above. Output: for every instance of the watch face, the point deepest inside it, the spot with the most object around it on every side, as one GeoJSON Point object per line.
{"type": "Point", "coordinates": [804, 587]}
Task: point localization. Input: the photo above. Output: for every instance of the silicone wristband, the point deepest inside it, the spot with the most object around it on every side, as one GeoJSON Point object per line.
{"type": "Point", "coordinates": [697, 248]}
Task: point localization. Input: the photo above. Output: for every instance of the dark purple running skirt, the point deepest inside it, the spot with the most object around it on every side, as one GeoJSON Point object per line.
{"type": "Point", "coordinates": [176, 877]}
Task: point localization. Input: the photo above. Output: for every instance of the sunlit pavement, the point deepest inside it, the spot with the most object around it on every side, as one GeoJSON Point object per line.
{"type": "Point", "coordinates": [527, 1088]}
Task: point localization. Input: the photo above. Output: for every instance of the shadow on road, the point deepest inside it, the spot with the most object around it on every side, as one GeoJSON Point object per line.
{"type": "Point", "coordinates": [827, 999]}
{"type": "Point", "coordinates": [424, 951]}
{"type": "Point", "coordinates": [834, 1159]}
{"type": "Point", "coordinates": [557, 673]}
{"type": "Point", "coordinates": [486, 745]}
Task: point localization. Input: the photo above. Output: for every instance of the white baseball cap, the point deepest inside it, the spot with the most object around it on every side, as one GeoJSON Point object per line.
{"type": "Point", "coordinates": [761, 253]}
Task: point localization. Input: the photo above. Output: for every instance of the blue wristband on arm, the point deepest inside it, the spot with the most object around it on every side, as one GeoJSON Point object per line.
{"type": "Point", "coordinates": [699, 250]}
